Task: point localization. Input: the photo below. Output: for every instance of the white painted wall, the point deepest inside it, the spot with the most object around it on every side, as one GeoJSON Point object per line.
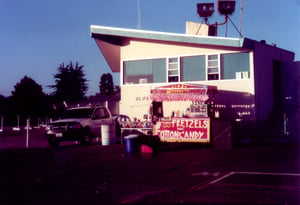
{"type": "Point", "coordinates": [135, 99]}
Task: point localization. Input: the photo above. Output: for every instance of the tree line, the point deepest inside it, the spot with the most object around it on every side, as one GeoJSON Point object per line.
{"type": "Point", "coordinates": [28, 100]}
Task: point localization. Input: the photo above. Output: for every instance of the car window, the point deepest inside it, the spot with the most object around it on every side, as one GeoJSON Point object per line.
{"type": "Point", "coordinates": [78, 113]}
{"type": "Point", "coordinates": [101, 113]}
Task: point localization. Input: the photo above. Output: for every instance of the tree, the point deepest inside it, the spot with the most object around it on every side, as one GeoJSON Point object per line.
{"type": "Point", "coordinates": [3, 105]}
{"type": "Point", "coordinates": [70, 82]}
{"type": "Point", "coordinates": [28, 99]}
{"type": "Point", "coordinates": [106, 85]}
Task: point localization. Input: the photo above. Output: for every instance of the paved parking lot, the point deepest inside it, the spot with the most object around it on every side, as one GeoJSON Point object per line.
{"type": "Point", "coordinates": [95, 174]}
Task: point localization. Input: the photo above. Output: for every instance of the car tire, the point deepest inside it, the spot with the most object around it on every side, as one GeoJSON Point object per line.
{"type": "Point", "coordinates": [52, 142]}
{"type": "Point", "coordinates": [86, 137]}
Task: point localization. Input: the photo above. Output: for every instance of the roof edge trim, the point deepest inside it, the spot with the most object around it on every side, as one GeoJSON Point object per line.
{"type": "Point", "coordinates": [165, 36]}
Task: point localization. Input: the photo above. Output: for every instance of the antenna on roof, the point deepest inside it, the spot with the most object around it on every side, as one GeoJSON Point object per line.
{"type": "Point", "coordinates": [138, 26]}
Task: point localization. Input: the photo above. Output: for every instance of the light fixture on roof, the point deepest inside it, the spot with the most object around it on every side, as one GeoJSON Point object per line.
{"type": "Point", "coordinates": [205, 9]}
{"type": "Point", "coordinates": [225, 7]}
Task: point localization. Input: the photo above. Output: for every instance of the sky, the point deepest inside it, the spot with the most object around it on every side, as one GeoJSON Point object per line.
{"type": "Point", "coordinates": [36, 36]}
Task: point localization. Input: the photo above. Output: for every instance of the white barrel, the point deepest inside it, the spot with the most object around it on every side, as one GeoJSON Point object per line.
{"type": "Point", "coordinates": [108, 134]}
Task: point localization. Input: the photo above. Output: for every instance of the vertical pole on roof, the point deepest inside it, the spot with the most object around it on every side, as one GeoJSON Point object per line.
{"type": "Point", "coordinates": [138, 15]}
{"type": "Point", "coordinates": [226, 27]}
{"type": "Point", "coordinates": [241, 17]}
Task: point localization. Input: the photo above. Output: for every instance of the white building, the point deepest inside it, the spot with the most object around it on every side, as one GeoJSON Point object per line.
{"type": "Point", "coordinates": [252, 77]}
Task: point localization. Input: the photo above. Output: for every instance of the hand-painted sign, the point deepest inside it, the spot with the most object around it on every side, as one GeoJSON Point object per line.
{"type": "Point", "coordinates": [184, 130]}
{"type": "Point", "coordinates": [180, 92]}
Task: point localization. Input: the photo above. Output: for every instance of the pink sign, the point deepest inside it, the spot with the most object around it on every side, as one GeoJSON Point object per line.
{"type": "Point", "coordinates": [184, 130]}
{"type": "Point", "coordinates": [180, 92]}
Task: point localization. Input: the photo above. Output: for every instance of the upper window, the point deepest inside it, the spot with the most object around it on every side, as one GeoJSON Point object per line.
{"type": "Point", "coordinates": [187, 68]}
{"type": "Point", "coordinates": [144, 71]}
{"type": "Point", "coordinates": [235, 66]}
{"type": "Point", "coordinates": [213, 67]}
{"type": "Point", "coordinates": [173, 70]}
{"type": "Point", "coordinates": [192, 68]}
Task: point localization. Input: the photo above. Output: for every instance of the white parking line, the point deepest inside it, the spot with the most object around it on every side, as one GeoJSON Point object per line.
{"type": "Point", "coordinates": [201, 186]}
{"type": "Point", "coordinates": [198, 187]}
{"type": "Point", "coordinates": [215, 174]}
{"type": "Point", "coordinates": [269, 173]}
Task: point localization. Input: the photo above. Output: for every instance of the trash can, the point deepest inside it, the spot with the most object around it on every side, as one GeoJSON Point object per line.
{"type": "Point", "coordinates": [108, 134]}
{"type": "Point", "coordinates": [149, 144]}
{"type": "Point", "coordinates": [131, 144]}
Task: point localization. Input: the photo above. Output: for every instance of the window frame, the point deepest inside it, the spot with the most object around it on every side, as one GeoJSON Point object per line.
{"type": "Point", "coordinates": [208, 66]}
{"type": "Point", "coordinates": [239, 74]}
{"type": "Point", "coordinates": [169, 69]}
{"type": "Point", "coordinates": [178, 72]}
{"type": "Point", "coordinates": [123, 72]}
{"type": "Point", "coordinates": [199, 69]}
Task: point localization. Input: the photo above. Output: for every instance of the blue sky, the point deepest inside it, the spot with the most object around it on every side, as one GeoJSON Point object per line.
{"type": "Point", "coordinates": [36, 36]}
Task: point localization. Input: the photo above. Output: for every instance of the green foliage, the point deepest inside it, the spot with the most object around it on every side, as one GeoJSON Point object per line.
{"type": "Point", "coordinates": [28, 100]}
{"type": "Point", "coordinates": [70, 84]}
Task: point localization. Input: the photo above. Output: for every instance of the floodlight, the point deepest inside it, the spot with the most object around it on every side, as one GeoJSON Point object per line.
{"type": "Point", "coordinates": [226, 7]}
{"type": "Point", "coordinates": [205, 9]}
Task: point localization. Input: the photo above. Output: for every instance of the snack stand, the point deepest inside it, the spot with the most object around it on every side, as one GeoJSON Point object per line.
{"type": "Point", "coordinates": [191, 126]}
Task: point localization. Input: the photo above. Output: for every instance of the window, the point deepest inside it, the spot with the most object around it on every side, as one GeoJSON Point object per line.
{"type": "Point", "coordinates": [173, 70]}
{"type": "Point", "coordinates": [212, 67]}
{"type": "Point", "coordinates": [235, 66]}
{"type": "Point", "coordinates": [192, 68]}
{"type": "Point", "coordinates": [101, 113]}
{"type": "Point", "coordinates": [188, 68]}
{"type": "Point", "coordinates": [144, 71]}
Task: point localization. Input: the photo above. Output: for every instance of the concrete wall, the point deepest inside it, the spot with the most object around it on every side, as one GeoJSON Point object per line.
{"type": "Point", "coordinates": [264, 58]}
{"type": "Point", "coordinates": [290, 88]}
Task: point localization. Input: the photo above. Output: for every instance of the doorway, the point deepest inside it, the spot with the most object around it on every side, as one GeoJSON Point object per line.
{"type": "Point", "coordinates": [277, 93]}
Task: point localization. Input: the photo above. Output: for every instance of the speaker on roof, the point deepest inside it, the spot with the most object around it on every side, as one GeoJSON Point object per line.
{"type": "Point", "coordinates": [205, 9]}
{"type": "Point", "coordinates": [226, 7]}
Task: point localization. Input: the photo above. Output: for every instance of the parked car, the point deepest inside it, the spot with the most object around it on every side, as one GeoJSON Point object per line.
{"type": "Point", "coordinates": [79, 124]}
{"type": "Point", "coordinates": [125, 126]}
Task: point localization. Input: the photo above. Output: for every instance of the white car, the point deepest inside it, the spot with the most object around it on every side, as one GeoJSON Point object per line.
{"type": "Point", "coordinates": [79, 124]}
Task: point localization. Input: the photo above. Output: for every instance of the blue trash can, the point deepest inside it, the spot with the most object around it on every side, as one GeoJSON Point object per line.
{"type": "Point", "coordinates": [131, 143]}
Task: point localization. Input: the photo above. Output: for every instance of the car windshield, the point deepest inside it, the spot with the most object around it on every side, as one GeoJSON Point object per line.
{"type": "Point", "coordinates": [78, 113]}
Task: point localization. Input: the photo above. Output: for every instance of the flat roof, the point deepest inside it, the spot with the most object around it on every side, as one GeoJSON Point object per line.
{"type": "Point", "coordinates": [165, 36]}
{"type": "Point", "coordinates": [111, 39]}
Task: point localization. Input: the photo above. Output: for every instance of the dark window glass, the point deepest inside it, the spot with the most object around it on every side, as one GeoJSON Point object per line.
{"type": "Point", "coordinates": [144, 71]}
{"type": "Point", "coordinates": [192, 68]}
{"type": "Point", "coordinates": [235, 64]}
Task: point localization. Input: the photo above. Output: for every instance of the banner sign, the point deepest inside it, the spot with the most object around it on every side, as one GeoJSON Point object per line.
{"type": "Point", "coordinates": [180, 89]}
{"type": "Point", "coordinates": [180, 92]}
{"type": "Point", "coordinates": [184, 130]}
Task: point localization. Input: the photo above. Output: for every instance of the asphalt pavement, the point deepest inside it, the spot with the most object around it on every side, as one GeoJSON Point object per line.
{"type": "Point", "coordinates": [178, 174]}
